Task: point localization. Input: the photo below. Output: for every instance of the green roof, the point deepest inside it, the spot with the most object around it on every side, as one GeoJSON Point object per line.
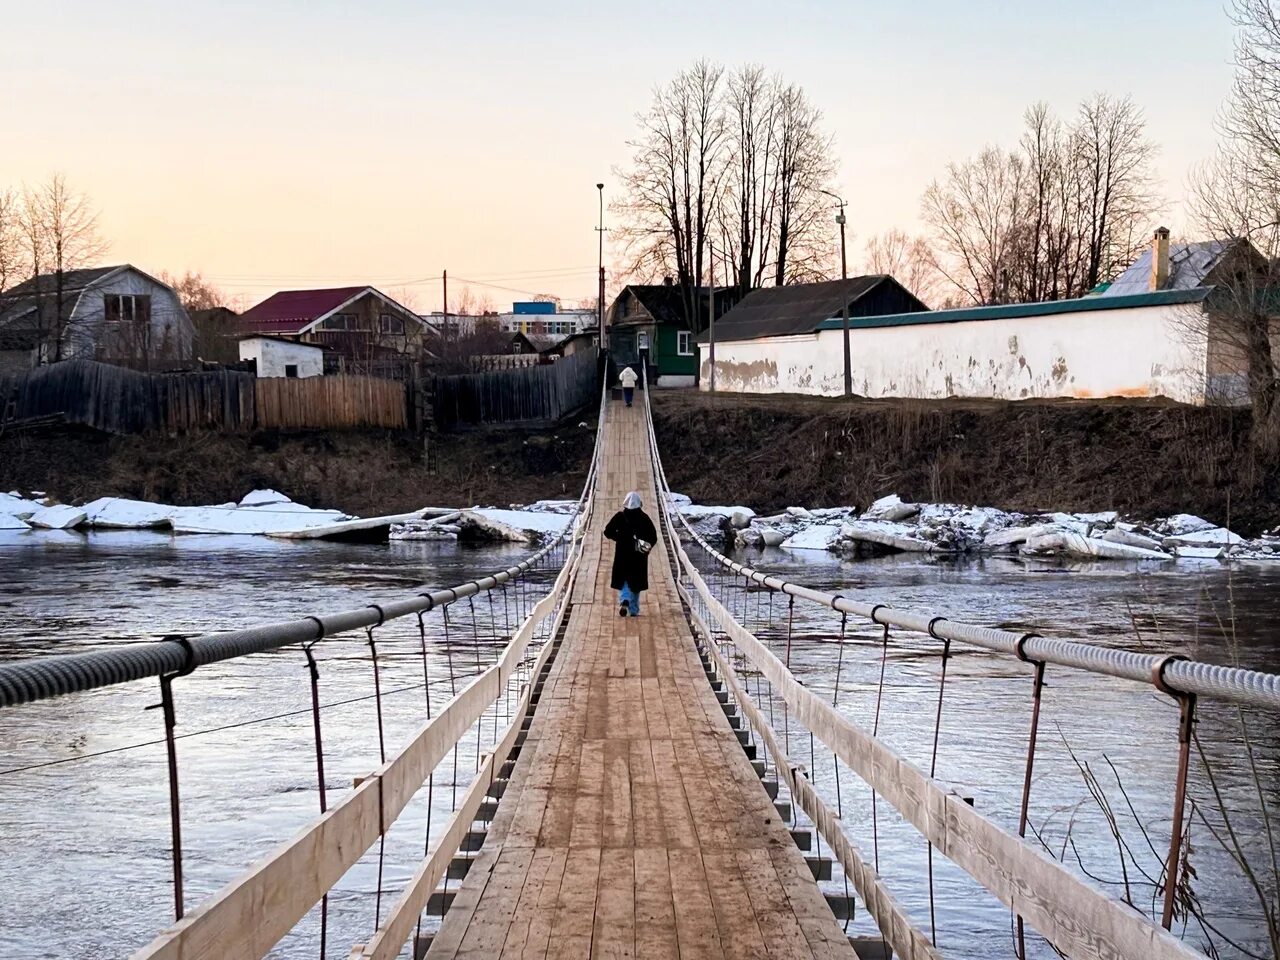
{"type": "Point", "coordinates": [1008, 311]}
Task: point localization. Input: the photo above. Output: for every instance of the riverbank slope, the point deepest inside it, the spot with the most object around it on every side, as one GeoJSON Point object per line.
{"type": "Point", "coordinates": [368, 473]}
{"type": "Point", "coordinates": [1146, 458]}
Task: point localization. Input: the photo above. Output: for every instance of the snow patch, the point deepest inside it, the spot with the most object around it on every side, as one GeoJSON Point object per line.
{"type": "Point", "coordinates": [260, 498]}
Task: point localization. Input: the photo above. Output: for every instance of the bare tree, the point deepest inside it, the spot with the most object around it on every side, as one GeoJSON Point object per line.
{"type": "Point", "coordinates": [732, 162]}
{"type": "Point", "coordinates": [194, 291]}
{"type": "Point", "coordinates": [472, 304]}
{"type": "Point", "coordinates": [676, 180]}
{"type": "Point", "coordinates": [1236, 197]}
{"type": "Point", "coordinates": [751, 197]}
{"type": "Point", "coordinates": [1118, 195]}
{"type": "Point", "coordinates": [212, 313]}
{"type": "Point", "coordinates": [13, 259]}
{"type": "Point", "coordinates": [908, 260]}
{"type": "Point", "coordinates": [1069, 208]}
{"type": "Point", "coordinates": [976, 213]}
{"type": "Point", "coordinates": [60, 228]}
{"type": "Point", "coordinates": [805, 228]}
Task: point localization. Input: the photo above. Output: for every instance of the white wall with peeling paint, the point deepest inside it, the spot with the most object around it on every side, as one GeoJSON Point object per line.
{"type": "Point", "coordinates": [1138, 352]}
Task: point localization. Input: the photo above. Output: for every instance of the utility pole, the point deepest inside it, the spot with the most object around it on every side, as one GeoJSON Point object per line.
{"type": "Point", "coordinates": [604, 337]}
{"type": "Point", "coordinates": [711, 319]}
{"type": "Point", "coordinates": [444, 319]}
{"type": "Point", "coordinates": [844, 304]}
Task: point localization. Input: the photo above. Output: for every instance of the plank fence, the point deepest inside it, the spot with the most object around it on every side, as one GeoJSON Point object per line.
{"type": "Point", "coordinates": [118, 400]}
{"type": "Point", "coordinates": [542, 394]}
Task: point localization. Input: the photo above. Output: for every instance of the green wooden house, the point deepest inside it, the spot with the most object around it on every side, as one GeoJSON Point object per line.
{"type": "Point", "coordinates": [648, 324]}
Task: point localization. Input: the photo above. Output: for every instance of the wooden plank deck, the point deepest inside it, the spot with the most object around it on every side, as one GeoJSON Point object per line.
{"type": "Point", "coordinates": [633, 824]}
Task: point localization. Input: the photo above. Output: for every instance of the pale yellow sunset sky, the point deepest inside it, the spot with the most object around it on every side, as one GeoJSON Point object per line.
{"type": "Point", "coordinates": [280, 144]}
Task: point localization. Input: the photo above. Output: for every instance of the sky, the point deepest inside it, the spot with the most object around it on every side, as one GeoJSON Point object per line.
{"type": "Point", "coordinates": [279, 143]}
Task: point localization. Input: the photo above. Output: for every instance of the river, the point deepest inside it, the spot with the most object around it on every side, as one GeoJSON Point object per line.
{"type": "Point", "coordinates": [85, 869]}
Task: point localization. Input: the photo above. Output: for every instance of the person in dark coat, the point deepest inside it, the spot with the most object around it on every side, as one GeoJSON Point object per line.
{"type": "Point", "coordinates": [634, 535]}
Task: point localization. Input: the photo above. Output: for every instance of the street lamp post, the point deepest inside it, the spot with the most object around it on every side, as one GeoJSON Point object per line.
{"type": "Point", "coordinates": [604, 337]}
{"type": "Point", "coordinates": [844, 304]}
{"type": "Point", "coordinates": [711, 319]}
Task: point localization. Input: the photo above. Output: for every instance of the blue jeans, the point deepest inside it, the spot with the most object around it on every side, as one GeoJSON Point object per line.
{"type": "Point", "coordinates": [628, 394]}
{"type": "Point", "coordinates": [630, 598]}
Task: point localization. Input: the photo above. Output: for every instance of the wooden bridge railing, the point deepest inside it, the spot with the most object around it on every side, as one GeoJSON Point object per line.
{"type": "Point", "coordinates": [1077, 918]}
{"type": "Point", "coordinates": [252, 913]}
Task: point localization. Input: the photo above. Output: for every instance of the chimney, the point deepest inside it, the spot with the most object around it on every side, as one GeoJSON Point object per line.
{"type": "Point", "coordinates": [668, 282]}
{"type": "Point", "coordinates": [1160, 258]}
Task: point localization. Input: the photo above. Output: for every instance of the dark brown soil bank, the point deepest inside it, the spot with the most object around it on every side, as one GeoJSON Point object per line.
{"type": "Point", "coordinates": [1145, 458]}
{"type": "Point", "coordinates": [362, 473]}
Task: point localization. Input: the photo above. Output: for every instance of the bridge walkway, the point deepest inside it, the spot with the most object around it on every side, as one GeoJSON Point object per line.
{"type": "Point", "coordinates": [633, 824]}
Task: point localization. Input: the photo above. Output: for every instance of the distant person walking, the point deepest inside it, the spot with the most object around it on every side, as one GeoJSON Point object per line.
{"type": "Point", "coordinates": [628, 378]}
{"type": "Point", "coordinates": [633, 535]}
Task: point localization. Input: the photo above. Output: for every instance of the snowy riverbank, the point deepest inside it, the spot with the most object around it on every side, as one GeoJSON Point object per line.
{"type": "Point", "coordinates": [891, 525]}
{"type": "Point", "coordinates": [272, 514]}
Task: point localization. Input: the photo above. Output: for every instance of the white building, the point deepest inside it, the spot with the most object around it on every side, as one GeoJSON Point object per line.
{"type": "Point", "coordinates": [1146, 336]}
{"type": "Point", "coordinates": [276, 357]}
{"type": "Point", "coordinates": [115, 314]}
{"type": "Point", "coordinates": [562, 323]}
{"type": "Point", "coordinates": [1123, 346]}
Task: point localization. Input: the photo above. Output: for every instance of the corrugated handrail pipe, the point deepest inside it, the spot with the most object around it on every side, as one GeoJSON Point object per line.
{"type": "Point", "coordinates": [42, 678]}
{"type": "Point", "coordinates": [1179, 675]}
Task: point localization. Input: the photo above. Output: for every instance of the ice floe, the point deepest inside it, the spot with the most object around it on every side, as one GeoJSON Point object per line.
{"type": "Point", "coordinates": [58, 517]}
{"type": "Point", "coordinates": [487, 524]}
{"type": "Point", "coordinates": [891, 524]}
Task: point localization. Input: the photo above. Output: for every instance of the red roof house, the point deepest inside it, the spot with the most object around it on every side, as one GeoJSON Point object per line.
{"type": "Point", "coordinates": [361, 324]}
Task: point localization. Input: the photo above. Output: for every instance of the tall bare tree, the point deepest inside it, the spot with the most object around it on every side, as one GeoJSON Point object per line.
{"type": "Point", "coordinates": [60, 229]}
{"type": "Point", "coordinates": [804, 168]}
{"type": "Point", "coordinates": [1067, 209]}
{"type": "Point", "coordinates": [1117, 185]}
{"type": "Point", "coordinates": [731, 162]}
{"type": "Point", "coordinates": [676, 181]}
{"type": "Point", "coordinates": [976, 213]}
{"type": "Point", "coordinates": [1236, 197]}
{"type": "Point", "coordinates": [751, 196]}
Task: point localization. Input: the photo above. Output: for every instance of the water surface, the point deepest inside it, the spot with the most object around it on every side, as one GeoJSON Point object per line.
{"type": "Point", "coordinates": [86, 865]}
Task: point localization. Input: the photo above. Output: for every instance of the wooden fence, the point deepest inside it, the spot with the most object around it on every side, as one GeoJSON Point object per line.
{"type": "Point", "coordinates": [117, 400]}
{"type": "Point", "coordinates": [543, 394]}
{"type": "Point", "coordinates": [333, 403]}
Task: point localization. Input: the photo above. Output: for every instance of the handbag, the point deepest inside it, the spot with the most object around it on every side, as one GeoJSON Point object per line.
{"type": "Point", "coordinates": [641, 546]}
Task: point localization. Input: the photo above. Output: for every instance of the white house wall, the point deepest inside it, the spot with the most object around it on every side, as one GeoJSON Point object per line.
{"type": "Point", "coordinates": [172, 335]}
{"type": "Point", "coordinates": [1135, 352]}
{"type": "Point", "coordinates": [272, 356]}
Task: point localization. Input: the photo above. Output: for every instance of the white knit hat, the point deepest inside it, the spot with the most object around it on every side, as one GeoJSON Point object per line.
{"type": "Point", "coordinates": [632, 502]}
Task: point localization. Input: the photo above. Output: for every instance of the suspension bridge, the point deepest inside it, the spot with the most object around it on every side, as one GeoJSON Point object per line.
{"type": "Point", "coordinates": [645, 787]}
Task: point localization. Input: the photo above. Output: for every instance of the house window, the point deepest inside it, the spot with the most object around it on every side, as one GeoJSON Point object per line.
{"type": "Point", "coordinates": [390, 325]}
{"type": "Point", "coordinates": [291, 370]}
{"type": "Point", "coordinates": [642, 343]}
{"type": "Point", "coordinates": [684, 343]}
{"type": "Point", "coordinates": [343, 321]}
{"type": "Point", "coordinates": [127, 308]}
